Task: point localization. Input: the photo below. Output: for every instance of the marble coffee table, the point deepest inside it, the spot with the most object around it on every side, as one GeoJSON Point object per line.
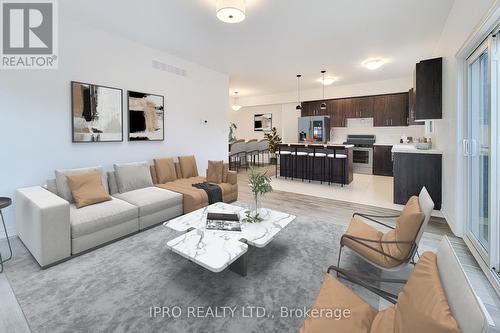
{"type": "Point", "coordinates": [217, 250]}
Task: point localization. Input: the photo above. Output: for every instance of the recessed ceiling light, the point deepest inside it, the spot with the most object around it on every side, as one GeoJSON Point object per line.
{"type": "Point", "coordinates": [373, 63]}
{"type": "Point", "coordinates": [230, 11]}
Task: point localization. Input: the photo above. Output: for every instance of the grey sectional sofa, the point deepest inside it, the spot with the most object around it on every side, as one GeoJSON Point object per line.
{"type": "Point", "coordinates": [53, 229]}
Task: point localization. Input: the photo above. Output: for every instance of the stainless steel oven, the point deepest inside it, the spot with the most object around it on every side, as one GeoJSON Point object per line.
{"type": "Point", "coordinates": [362, 153]}
{"type": "Point", "coordinates": [362, 158]}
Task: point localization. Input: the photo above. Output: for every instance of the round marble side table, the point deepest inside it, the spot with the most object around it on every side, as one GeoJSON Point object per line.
{"type": "Point", "coordinates": [4, 203]}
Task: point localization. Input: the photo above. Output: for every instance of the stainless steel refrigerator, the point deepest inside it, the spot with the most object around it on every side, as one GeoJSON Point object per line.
{"type": "Point", "coordinates": [316, 128]}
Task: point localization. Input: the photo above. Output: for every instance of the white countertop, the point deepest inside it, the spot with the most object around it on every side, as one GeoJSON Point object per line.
{"type": "Point", "coordinates": [317, 144]}
{"type": "Point", "coordinates": [383, 144]}
{"type": "Point", "coordinates": [410, 148]}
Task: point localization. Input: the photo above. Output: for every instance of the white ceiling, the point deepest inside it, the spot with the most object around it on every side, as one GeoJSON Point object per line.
{"type": "Point", "coordinates": [280, 38]}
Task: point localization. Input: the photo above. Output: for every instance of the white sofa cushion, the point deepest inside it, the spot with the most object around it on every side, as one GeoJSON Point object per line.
{"type": "Point", "coordinates": [132, 176]}
{"type": "Point", "coordinates": [62, 186]}
{"type": "Point", "coordinates": [150, 200]}
{"type": "Point", "coordinates": [100, 216]}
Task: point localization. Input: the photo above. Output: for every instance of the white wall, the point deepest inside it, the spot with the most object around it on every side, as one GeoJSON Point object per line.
{"type": "Point", "coordinates": [384, 135]}
{"type": "Point", "coordinates": [35, 125]}
{"type": "Point", "coordinates": [463, 18]}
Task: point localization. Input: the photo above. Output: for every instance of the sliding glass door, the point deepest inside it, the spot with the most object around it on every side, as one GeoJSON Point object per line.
{"type": "Point", "coordinates": [478, 147]}
{"type": "Point", "coordinates": [481, 150]}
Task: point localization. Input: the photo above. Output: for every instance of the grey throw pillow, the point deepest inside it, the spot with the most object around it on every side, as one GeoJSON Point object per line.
{"type": "Point", "coordinates": [63, 189]}
{"type": "Point", "coordinates": [132, 176]}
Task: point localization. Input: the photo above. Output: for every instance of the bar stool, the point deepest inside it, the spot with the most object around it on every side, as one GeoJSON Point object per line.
{"type": "Point", "coordinates": [4, 203]}
{"type": "Point", "coordinates": [332, 158]}
{"type": "Point", "coordinates": [313, 157]}
{"type": "Point", "coordinates": [302, 156]}
{"type": "Point", "coordinates": [286, 157]}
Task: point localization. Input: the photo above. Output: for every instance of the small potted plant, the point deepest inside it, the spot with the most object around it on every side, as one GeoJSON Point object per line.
{"type": "Point", "coordinates": [274, 140]}
{"type": "Point", "coordinates": [260, 183]}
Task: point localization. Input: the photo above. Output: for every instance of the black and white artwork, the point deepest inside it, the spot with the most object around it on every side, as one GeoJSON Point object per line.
{"type": "Point", "coordinates": [97, 113]}
{"type": "Point", "coordinates": [263, 122]}
{"type": "Point", "coordinates": [145, 117]}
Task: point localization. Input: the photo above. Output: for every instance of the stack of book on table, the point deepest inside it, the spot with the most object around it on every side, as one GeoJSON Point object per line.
{"type": "Point", "coordinates": [223, 222]}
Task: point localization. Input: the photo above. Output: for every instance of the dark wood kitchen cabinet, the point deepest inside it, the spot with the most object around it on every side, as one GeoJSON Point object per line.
{"type": "Point", "coordinates": [398, 109]}
{"type": "Point", "coordinates": [334, 110]}
{"type": "Point", "coordinates": [361, 107]}
{"type": "Point", "coordinates": [311, 109]}
{"type": "Point", "coordinates": [429, 89]}
{"type": "Point", "coordinates": [411, 109]}
{"type": "Point", "coordinates": [382, 160]}
{"type": "Point", "coordinates": [386, 110]}
{"type": "Point", "coordinates": [379, 105]}
{"type": "Point", "coordinates": [347, 107]}
{"type": "Point", "coordinates": [390, 110]}
{"type": "Point", "coordinates": [412, 171]}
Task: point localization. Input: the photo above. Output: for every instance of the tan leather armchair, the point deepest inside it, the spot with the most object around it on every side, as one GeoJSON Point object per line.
{"type": "Point", "coordinates": [396, 247]}
{"type": "Point", "coordinates": [436, 298]}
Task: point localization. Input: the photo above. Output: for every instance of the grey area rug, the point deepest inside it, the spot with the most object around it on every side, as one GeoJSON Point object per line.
{"type": "Point", "coordinates": [112, 288]}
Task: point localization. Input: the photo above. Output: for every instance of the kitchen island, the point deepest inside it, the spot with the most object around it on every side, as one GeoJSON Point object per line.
{"type": "Point", "coordinates": [310, 162]}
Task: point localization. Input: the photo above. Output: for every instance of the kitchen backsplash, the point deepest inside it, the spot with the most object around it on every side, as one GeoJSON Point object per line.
{"type": "Point", "coordinates": [389, 135]}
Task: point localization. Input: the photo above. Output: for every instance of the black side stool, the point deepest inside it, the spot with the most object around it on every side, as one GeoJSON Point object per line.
{"type": "Point", "coordinates": [4, 203]}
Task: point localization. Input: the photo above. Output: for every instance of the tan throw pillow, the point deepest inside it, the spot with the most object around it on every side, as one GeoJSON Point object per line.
{"type": "Point", "coordinates": [407, 227]}
{"type": "Point", "coordinates": [214, 172]}
{"type": "Point", "coordinates": [165, 170]}
{"type": "Point", "coordinates": [188, 166]}
{"type": "Point", "coordinates": [87, 189]}
{"type": "Point", "coordinates": [422, 305]}
{"type": "Point", "coordinates": [352, 313]}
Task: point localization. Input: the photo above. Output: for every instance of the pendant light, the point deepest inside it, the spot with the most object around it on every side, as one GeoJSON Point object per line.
{"type": "Point", "coordinates": [236, 106]}
{"type": "Point", "coordinates": [323, 104]}
{"type": "Point", "coordinates": [299, 104]}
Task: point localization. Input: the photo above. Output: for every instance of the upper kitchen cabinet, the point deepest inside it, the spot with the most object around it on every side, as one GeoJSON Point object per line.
{"type": "Point", "coordinates": [311, 109]}
{"type": "Point", "coordinates": [379, 105]}
{"type": "Point", "coordinates": [334, 109]}
{"type": "Point", "coordinates": [411, 109]}
{"type": "Point", "coordinates": [390, 110]}
{"type": "Point", "coordinates": [428, 89]}
{"type": "Point", "coordinates": [397, 109]}
{"type": "Point", "coordinates": [360, 107]}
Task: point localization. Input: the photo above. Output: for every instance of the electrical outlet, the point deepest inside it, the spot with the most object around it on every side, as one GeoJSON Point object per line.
{"type": "Point", "coordinates": [204, 121]}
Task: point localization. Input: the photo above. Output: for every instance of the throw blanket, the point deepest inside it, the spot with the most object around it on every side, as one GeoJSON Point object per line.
{"type": "Point", "coordinates": [214, 192]}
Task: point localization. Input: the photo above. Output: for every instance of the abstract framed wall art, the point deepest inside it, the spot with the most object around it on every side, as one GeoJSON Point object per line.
{"type": "Point", "coordinates": [263, 122]}
{"type": "Point", "coordinates": [145, 117]}
{"type": "Point", "coordinates": [96, 113]}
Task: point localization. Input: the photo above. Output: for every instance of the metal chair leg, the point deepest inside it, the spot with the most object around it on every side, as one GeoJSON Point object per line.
{"type": "Point", "coordinates": [8, 243]}
{"type": "Point", "coordinates": [338, 261]}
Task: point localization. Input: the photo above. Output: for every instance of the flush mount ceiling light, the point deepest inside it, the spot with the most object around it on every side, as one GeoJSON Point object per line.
{"type": "Point", "coordinates": [236, 106]}
{"type": "Point", "coordinates": [373, 63]}
{"type": "Point", "coordinates": [323, 104]}
{"type": "Point", "coordinates": [230, 11]}
{"type": "Point", "coordinates": [299, 105]}
{"type": "Point", "coordinates": [328, 80]}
